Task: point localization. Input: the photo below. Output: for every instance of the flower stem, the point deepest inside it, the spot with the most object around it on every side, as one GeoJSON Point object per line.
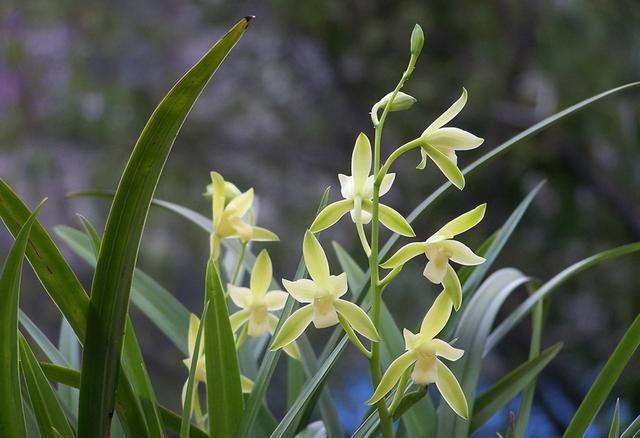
{"type": "Point", "coordinates": [386, 421]}
{"type": "Point", "coordinates": [236, 270]}
{"type": "Point", "coordinates": [397, 397]}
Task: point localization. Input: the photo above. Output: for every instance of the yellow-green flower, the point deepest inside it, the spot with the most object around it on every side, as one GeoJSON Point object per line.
{"type": "Point", "coordinates": [256, 302]}
{"type": "Point", "coordinates": [440, 143]}
{"type": "Point", "coordinates": [357, 191]}
{"type": "Point", "coordinates": [229, 215]}
{"type": "Point", "coordinates": [423, 350]}
{"type": "Point", "coordinates": [321, 294]}
{"type": "Point", "coordinates": [440, 249]}
{"type": "Point", "coordinates": [201, 371]}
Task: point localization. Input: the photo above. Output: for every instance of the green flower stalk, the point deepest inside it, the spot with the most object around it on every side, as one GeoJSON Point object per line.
{"type": "Point", "coordinates": [423, 353]}
{"type": "Point", "coordinates": [440, 249]}
{"type": "Point", "coordinates": [321, 296]}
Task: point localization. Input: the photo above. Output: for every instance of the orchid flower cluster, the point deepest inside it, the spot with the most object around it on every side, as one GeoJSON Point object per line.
{"type": "Point", "coordinates": [322, 296]}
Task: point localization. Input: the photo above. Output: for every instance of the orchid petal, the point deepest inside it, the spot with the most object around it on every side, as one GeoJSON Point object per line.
{"type": "Point", "coordinates": [392, 375]}
{"type": "Point", "coordinates": [425, 370]}
{"type": "Point", "coordinates": [239, 318]}
{"type": "Point", "coordinates": [449, 114]}
{"type": "Point", "coordinates": [246, 384]}
{"type": "Point", "coordinates": [446, 166]}
{"type": "Point", "coordinates": [217, 197]}
{"type": "Point", "coordinates": [454, 138]}
{"type": "Point", "coordinates": [357, 319]}
{"type": "Point", "coordinates": [387, 182]}
{"type": "Point", "coordinates": [452, 287]}
{"type": "Point", "coordinates": [242, 229]}
{"type": "Point", "coordinates": [275, 299]}
{"type": "Point", "coordinates": [460, 253]}
{"type": "Point", "coordinates": [239, 205]}
{"type": "Point", "coordinates": [404, 254]}
{"type": "Point", "coordinates": [292, 327]}
{"type": "Point", "coordinates": [339, 284]}
{"type": "Point", "coordinates": [445, 350]}
{"type": "Point", "coordinates": [451, 391]}
{"type": "Point", "coordinates": [423, 159]}
{"type": "Point", "coordinates": [410, 339]}
{"type": "Point", "coordinates": [241, 296]}
{"type": "Point", "coordinates": [316, 260]}
{"type": "Point", "coordinates": [331, 214]}
{"type": "Point", "coordinates": [261, 274]}
{"type": "Point", "coordinates": [263, 235]}
{"type": "Point", "coordinates": [360, 163]}
{"type": "Point", "coordinates": [436, 267]}
{"type": "Point", "coordinates": [391, 219]}
{"type": "Point", "coordinates": [346, 185]}
{"type": "Point", "coordinates": [303, 290]}
{"type": "Point", "coordinates": [291, 349]}
{"type": "Point", "coordinates": [462, 223]}
{"type": "Point", "coordinates": [437, 316]}
{"type": "Point", "coordinates": [194, 324]}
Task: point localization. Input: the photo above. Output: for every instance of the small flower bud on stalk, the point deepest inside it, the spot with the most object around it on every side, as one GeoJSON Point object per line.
{"type": "Point", "coordinates": [417, 40]}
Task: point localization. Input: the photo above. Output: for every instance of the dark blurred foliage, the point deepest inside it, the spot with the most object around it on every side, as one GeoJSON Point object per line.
{"type": "Point", "coordinates": [79, 79]}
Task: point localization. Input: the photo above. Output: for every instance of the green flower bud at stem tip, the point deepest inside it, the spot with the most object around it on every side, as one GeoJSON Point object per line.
{"type": "Point", "coordinates": [401, 102]}
{"type": "Point", "coordinates": [417, 40]}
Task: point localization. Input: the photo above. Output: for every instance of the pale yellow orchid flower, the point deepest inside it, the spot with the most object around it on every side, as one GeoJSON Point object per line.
{"type": "Point", "coordinates": [229, 211]}
{"type": "Point", "coordinates": [440, 249]}
{"type": "Point", "coordinates": [256, 302]}
{"type": "Point", "coordinates": [321, 294]}
{"type": "Point", "coordinates": [423, 350]}
{"type": "Point", "coordinates": [357, 191]}
{"type": "Point", "coordinates": [440, 143]}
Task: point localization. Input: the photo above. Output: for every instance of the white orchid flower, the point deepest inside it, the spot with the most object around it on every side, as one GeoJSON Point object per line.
{"type": "Point", "coordinates": [357, 191]}
{"type": "Point", "coordinates": [256, 302]}
{"type": "Point", "coordinates": [440, 249]}
{"type": "Point", "coordinates": [229, 211]}
{"type": "Point", "coordinates": [321, 294]}
{"type": "Point", "coordinates": [424, 350]}
{"type": "Point", "coordinates": [440, 143]}
{"type": "Point", "coordinates": [201, 370]}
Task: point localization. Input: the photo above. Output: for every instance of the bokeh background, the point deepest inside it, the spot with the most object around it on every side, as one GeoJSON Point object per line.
{"type": "Point", "coordinates": [79, 79]}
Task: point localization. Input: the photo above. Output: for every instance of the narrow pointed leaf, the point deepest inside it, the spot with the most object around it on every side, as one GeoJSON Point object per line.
{"type": "Point", "coordinates": [614, 430]}
{"type": "Point", "coordinates": [501, 393]}
{"type": "Point", "coordinates": [224, 392]}
{"type": "Point", "coordinates": [12, 422]}
{"type": "Point", "coordinates": [50, 416]}
{"type": "Point", "coordinates": [603, 384]}
{"type": "Point", "coordinates": [123, 232]}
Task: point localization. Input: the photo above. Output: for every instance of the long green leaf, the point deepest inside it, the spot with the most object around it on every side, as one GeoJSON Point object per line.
{"type": "Point", "coordinates": [65, 290]}
{"type": "Point", "coordinates": [50, 416]}
{"type": "Point", "coordinates": [632, 430]}
{"type": "Point", "coordinates": [492, 400]}
{"type": "Point", "coordinates": [603, 384]}
{"type": "Point", "coordinates": [69, 348]}
{"type": "Point", "coordinates": [154, 301]}
{"type": "Point", "coordinates": [523, 309]}
{"type": "Point", "coordinates": [526, 400]}
{"type": "Point", "coordinates": [475, 325]}
{"type": "Point", "coordinates": [224, 394]}
{"type": "Point", "coordinates": [123, 232]}
{"type": "Point", "coordinates": [69, 377]}
{"type": "Point", "coordinates": [12, 421]}
{"type": "Point", "coordinates": [614, 430]}
{"type": "Point", "coordinates": [50, 350]}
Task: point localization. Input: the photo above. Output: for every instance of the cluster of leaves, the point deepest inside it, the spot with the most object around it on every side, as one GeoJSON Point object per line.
{"type": "Point", "coordinates": [229, 352]}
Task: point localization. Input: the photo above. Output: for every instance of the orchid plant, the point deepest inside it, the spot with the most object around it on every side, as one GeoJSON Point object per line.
{"type": "Point", "coordinates": [232, 348]}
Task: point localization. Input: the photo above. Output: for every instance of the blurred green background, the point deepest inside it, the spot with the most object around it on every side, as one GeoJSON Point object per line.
{"type": "Point", "coordinates": [79, 79]}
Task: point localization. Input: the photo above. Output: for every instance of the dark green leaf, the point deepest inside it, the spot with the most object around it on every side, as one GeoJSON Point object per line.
{"type": "Point", "coordinates": [12, 423]}
{"type": "Point", "coordinates": [123, 232]}
{"type": "Point", "coordinates": [603, 384]}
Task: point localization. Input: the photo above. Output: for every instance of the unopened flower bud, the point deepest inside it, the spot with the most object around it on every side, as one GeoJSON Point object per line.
{"type": "Point", "coordinates": [417, 40]}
